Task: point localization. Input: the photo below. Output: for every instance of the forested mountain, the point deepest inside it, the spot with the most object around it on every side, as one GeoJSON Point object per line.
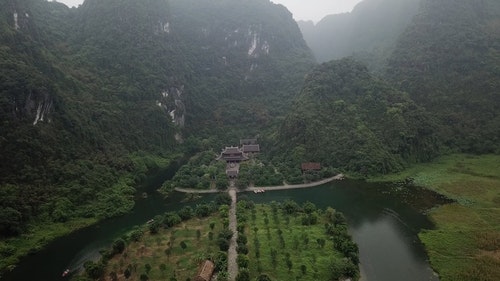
{"type": "Point", "coordinates": [348, 119]}
{"type": "Point", "coordinates": [369, 31]}
{"type": "Point", "coordinates": [89, 96]}
{"type": "Point", "coordinates": [448, 60]}
{"type": "Point", "coordinates": [92, 98]}
{"type": "Point", "coordinates": [440, 94]}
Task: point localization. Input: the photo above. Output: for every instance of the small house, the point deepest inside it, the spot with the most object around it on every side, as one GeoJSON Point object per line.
{"type": "Point", "coordinates": [205, 271]}
{"type": "Point", "coordinates": [310, 166]}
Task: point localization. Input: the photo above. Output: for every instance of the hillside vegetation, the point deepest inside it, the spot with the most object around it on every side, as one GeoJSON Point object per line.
{"type": "Point", "coordinates": [448, 61]}
{"type": "Point", "coordinates": [94, 98]}
{"type": "Point", "coordinates": [438, 94]}
{"type": "Point", "coordinates": [346, 118]}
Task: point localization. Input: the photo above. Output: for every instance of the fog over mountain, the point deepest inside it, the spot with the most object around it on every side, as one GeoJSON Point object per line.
{"type": "Point", "coordinates": [370, 30]}
{"type": "Point", "coordinates": [95, 99]}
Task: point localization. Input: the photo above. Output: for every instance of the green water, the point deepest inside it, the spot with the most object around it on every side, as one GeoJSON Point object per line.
{"type": "Point", "coordinates": [383, 220]}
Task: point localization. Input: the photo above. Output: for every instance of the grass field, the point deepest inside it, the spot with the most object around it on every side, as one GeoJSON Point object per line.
{"type": "Point", "coordinates": [161, 256]}
{"type": "Point", "coordinates": [466, 242]}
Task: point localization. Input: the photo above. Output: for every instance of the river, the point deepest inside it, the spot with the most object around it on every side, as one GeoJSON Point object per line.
{"type": "Point", "coordinates": [383, 220]}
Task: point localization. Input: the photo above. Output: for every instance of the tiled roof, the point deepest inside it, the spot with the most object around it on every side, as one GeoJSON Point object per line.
{"type": "Point", "coordinates": [310, 166]}
{"type": "Point", "coordinates": [251, 148]}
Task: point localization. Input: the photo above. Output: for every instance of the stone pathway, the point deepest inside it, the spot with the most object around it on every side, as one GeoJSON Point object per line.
{"type": "Point", "coordinates": [232, 265]}
{"type": "Point", "coordinates": [267, 188]}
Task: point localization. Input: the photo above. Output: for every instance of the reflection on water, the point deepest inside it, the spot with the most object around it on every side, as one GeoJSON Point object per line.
{"type": "Point", "coordinates": [383, 220]}
{"type": "Point", "coordinates": [388, 252]}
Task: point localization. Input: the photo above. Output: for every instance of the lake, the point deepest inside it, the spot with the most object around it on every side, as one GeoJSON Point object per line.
{"type": "Point", "coordinates": [384, 220]}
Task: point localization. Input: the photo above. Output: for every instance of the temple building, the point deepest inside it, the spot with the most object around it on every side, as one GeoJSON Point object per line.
{"type": "Point", "coordinates": [247, 141]}
{"type": "Point", "coordinates": [232, 154]}
{"type": "Point", "coordinates": [251, 148]}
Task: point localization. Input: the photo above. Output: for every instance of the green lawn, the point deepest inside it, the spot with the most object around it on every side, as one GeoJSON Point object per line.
{"type": "Point", "coordinates": [466, 242]}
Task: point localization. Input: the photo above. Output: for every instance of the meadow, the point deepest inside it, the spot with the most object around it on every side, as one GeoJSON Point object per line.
{"type": "Point", "coordinates": [465, 244]}
{"type": "Point", "coordinates": [172, 253]}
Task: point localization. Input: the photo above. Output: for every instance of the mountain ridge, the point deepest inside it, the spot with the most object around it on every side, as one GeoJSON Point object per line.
{"type": "Point", "coordinates": [94, 97]}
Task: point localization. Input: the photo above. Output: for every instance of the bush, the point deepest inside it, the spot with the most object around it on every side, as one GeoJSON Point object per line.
{"type": "Point", "coordinates": [220, 261]}
{"type": "Point", "coordinates": [202, 210]}
{"type": "Point", "coordinates": [242, 249]}
{"type": "Point", "coordinates": [226, 234]}
{"type": "Point", "coordinates": [118, 246]}
{"type": "Point", "coordinates": [136, 235]}
{"type": "Point", "coordinates": [7, 250]}
{"type": "Point", "coordinates": [223, 244]}
{"type": "Point", "coordinates": [242, 239]}
{"type": "Point", "coordinates": [243, 275]}
{"type": "Point", "coordinates": [243, 261]}
{"type": "Point", "coordinates": [154, 227]}
{"type": "Point", "coordinates": [171, 219]}
{"type": "Point", "coordinates": [263, 277]}
{"type": "Point", "coordinates": [186, 212]}
{"type": "Point", "coordinates": [94, 270]}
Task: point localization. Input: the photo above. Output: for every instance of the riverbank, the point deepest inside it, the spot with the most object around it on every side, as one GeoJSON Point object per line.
{"type": "Point", "coordinates": [274, 242]}
{"type": "Point", "coordinates": [36, 239]}
{"type": "Point", "coordinates": [466, 241]}
{"type": "Point", "coordinates": [265, 188]}
{"type": "Point", "coordinates": [42, 231]}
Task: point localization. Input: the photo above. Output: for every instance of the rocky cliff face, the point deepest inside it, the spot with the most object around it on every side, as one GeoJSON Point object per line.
{"type": "Point", "coordinates": [99, 82]}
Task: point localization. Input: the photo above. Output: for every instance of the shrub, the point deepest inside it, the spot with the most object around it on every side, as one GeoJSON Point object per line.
{"type": "Point", "coordinates": [118, 246]}
{"type": "Point", "coordinates": [243, 275]}
{"type": "Point", "coordinates": [243, 261]}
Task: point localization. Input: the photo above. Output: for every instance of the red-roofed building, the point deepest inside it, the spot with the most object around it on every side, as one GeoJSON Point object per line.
{"type": "Point", "coordinates": [310, 166]}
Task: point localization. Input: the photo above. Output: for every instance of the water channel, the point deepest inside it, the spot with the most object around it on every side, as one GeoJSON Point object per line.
{"type": "Point", "coordinates": [383, 220]}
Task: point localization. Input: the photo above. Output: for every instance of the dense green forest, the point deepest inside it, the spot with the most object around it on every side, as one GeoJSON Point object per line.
{"type": "Point", "coordinates": [437, 93]}
{"type": "Point", "coordinates": [92, 99]}
{"type": "Point", "coordinates": [346, 118]}
{"type": "Point", "coordinates": [95, 98]}
{"type": "Point", "coordinates": [448, 61]}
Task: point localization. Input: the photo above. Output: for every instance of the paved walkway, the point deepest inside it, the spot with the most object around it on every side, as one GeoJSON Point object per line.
{"type": "Point", "coordinates": [232, 265]}
{"type": "Point", "coordinates": [194, 190]}
{"type": "Point", "coordinates": [295, 186]}
{"type": "Point", "coordinates": [267, 188]}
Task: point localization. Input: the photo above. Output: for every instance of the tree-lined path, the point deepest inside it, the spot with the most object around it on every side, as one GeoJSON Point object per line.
{"type": "Point", "coordinates": [232, 266]}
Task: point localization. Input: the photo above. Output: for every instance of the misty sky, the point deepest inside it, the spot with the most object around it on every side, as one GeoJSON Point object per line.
{"type": "Point", "coordinates": [316, 9]}
{"type": "Point", "coordinates": [301, 9]}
